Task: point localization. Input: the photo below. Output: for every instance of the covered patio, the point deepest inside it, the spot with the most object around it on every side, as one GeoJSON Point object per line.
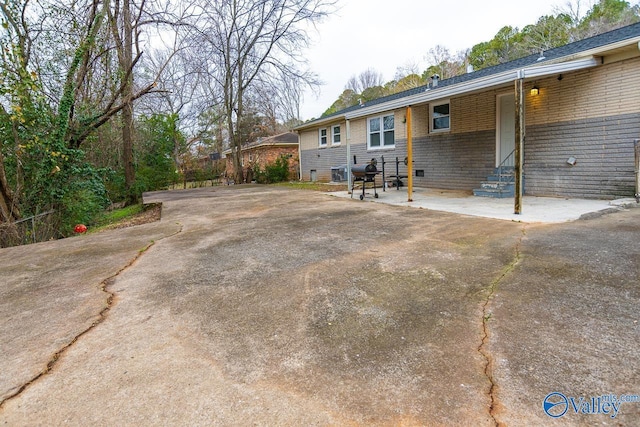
{"type": "Point", "coordinates": [535, 209]}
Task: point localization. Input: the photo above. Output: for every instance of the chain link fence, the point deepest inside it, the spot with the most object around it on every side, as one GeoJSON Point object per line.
{"type": "Point", "coordinates": [37, 228]}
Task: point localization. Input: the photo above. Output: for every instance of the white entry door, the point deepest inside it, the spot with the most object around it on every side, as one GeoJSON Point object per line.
{"type": "Point", "coordinates": [506, 129]}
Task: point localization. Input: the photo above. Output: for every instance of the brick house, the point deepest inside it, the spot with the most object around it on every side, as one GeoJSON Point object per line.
{"type": "Point", "coordinates": [573, 110]}
{"type": "Point", "coordinates": [265, 151]}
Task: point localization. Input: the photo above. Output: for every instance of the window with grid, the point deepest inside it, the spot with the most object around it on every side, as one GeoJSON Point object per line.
{"type": "Point", "coordinates": [381, 132]}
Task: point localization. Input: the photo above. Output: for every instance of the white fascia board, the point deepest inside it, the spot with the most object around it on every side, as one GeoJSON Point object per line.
{"type": "Point", "coordinates": [319, 123]}
{"type": "Point", "coordinates": [558, 65]}
{"type": "Point", "coordinates": [598, 51]}
{"type": "Point", "coordinates": [435, 94]}
{"type": "Point", "coordinates": [559, 68]}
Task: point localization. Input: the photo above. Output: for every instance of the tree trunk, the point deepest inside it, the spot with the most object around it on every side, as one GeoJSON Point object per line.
{"type": "Point", "coordinates": [8, 210]}
{"type": "Point", "coordinates": [237, 162]}
{"type": "Point", "coordinates": [127, 111]}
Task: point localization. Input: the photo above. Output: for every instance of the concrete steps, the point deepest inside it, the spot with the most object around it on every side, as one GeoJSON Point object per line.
{"type": "Point", "coordinates": [498, 185]}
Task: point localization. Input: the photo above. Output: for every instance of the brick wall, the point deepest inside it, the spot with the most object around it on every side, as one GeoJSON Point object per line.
{"type": "Point", "coordinates": [592, 114]}
{"type": "Point", "coordinates": [264, 155]}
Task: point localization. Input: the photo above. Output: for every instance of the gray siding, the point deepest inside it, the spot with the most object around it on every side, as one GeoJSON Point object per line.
{"type": "Point", "coordinates": [322, 160]}
{"type": "Point", "coordinates": [603, 148]}
{"type": "Point", "coordinates": [449, 161]}
{"type": "Point", "coordinates": [455, 161]}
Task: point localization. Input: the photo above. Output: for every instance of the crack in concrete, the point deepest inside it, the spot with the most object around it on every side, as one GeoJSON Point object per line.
{"type": "Point", "coordinates": [486, 316]}
{"type": "Point", "coordinates": [101, 317]}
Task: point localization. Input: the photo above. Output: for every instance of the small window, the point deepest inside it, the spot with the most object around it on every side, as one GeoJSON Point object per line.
{"type": "Point", "coordinates": [381, 132]}
{"type": "Point", "coordinates": [323, 137]}
{"type": "Point", "coordinates": [440, 117]}
{"type": "Point", "coordinates": [335, 135]}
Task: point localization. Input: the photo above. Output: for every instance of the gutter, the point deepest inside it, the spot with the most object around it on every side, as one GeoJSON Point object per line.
{"type": "Point", "coordinates": [477, 85]}
{"type": "Point", "coordinates": [550, 67]}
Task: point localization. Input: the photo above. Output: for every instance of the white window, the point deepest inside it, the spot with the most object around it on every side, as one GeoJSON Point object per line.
{"type": "Point", "coordinates": [335, 135]}
{"type": "Point", "coordinates": [322, 137]}
{"type": "Point", "coordinates": [440, 118]}
{"type": "Point", "coordinates": [381, 132]}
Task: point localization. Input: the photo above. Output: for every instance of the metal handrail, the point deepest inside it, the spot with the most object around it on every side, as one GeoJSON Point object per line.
{"type": "Point", "coordinates": [507, 159]}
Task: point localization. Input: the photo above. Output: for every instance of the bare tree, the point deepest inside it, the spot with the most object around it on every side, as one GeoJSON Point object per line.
{"type": "Point", "coordinates": [547, 33]}
{"type": "Point", "coordinates": [443, 63]}
{"type": "Point", "coordinates": [252, 43]}
{"type": "Point", "coordinates": [592, 17]}
{"type": "Point", "coordinates": [289, 98]}
{"type": "Point", "coordinates": [411, 67]}
{"type": "Point", "coordinates": [573, 10]}
{"type": "Point", "coordinates": [369, 78]}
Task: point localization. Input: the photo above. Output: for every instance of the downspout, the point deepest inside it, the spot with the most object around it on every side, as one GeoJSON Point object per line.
{"type": "Point", "coordinates": [636, 149]}
{"type": "Point", "coordinates": [299, 158]}
{"type": "Point", "coordinates": [409, 157]}
{"type": "Point", "coordinates": [349, 183]}
{"type": "Point", "coordinates": [520, 136]}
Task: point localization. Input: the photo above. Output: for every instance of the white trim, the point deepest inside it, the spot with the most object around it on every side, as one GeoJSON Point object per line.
{"type": "Point", "coordinates": [333, 134]}
{"type": "Point", "coordinates": [474, 85]}
{"type": "Point", "coordinates": [381, 132]}
{"type": "Point", "coordinates": [325, 136]}
{"type": "Point", "coordinates": [348, 132]}
{"type": "Point", "coordinates": [299, 158]}
{"type": "Point", "coordinates": [431, 107]}
{"type": "Point", "coordinates": [546, 70]}
{"type": "Point", "coordinates": [482, 83]}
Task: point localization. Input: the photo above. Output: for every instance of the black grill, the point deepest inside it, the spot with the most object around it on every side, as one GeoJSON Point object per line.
{"type": "Point", "coordinates": [365, 173]}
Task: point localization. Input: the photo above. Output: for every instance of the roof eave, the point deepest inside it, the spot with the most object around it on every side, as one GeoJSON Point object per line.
{"type": "Point", "coordinates": [266, 144]}
{"type": "Point", "coordinates": [580, 60]}
{"type": "Point", "coordinates": [483, 83]}
{"type": "Point", "coordinates": [321, 121]}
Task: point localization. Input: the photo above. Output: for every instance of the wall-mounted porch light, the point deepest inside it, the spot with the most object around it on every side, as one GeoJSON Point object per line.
{"type": "Point", "coordinates": [535, 91]}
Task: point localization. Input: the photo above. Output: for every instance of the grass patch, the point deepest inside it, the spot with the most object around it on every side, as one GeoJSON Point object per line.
{"type": "Point", "coordinates": [116, 215]}
{"type": "Point", "coordinates": [127, 216]}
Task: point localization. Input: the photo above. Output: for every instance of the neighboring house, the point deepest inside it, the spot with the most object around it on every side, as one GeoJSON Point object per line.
{"type": "Point", "coordinates": [581, 114]}
{"type": "Point", "coordinates": [265, 151]}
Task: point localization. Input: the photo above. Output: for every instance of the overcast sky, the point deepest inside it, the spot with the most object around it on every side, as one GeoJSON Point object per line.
{"type": "Point", "coordinates": [385, 35]}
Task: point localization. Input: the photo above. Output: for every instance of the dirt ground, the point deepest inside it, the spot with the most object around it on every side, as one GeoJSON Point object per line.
{"type": "Point", "coordinates": [267, 306]}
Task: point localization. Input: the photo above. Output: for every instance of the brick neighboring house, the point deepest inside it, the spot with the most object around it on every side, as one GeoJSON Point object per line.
{"type": "Point", "coordinates": [265, 151]}
{"type": "Point", "coordinates": [579, 106]}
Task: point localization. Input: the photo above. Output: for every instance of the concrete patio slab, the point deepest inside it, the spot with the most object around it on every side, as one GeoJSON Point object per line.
{"type": "Point", "coordinates": [534, 209]}
{"type": "Point", "coordinates": [260, 305]}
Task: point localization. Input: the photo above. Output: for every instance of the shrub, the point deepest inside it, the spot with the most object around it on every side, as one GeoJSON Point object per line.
{"type": "Point", "coordinates": [278, 171]}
